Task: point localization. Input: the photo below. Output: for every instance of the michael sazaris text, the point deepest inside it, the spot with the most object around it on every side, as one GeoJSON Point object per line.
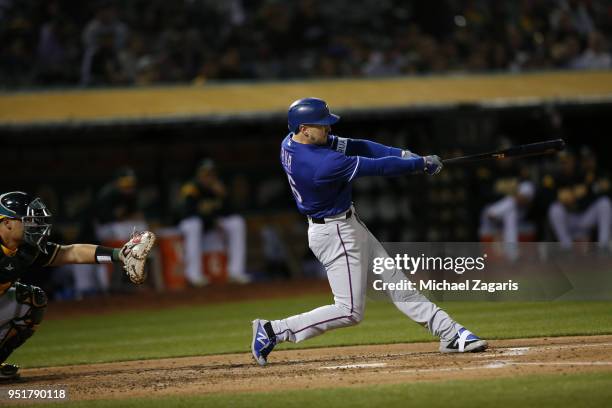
{"type": "Point", "coordinates": [444, 285]}
{"type": "Point", "coordinates": [411, 264]}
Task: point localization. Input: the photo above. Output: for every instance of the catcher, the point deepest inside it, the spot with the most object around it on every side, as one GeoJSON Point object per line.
{"type": "Point", "coordinates": [25, 225]}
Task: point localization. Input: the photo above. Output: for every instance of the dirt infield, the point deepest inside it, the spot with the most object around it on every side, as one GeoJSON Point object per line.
{"type": "Point", "coordinates": [323, 368]}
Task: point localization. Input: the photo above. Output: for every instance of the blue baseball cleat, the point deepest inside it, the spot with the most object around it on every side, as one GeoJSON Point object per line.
{"type": "Point", "coordinates": [263, 342]}
{"type": "Point", "coordinates": [464, 342]}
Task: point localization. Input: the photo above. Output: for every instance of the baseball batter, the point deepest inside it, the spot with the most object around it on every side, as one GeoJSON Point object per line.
{"type": "Point", "coordinates": [321, 168]}
{"type": "Point", "coordinates": [25, 225]}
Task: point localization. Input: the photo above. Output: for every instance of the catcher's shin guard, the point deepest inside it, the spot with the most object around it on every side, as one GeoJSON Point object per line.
{"type": "Point", "coordinates": [22, 328]}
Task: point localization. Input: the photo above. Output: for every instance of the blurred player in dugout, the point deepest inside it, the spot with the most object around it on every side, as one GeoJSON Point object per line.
{"type": "Point", "coordinates": [204, 208]}
{"type": "Point", "coordinates": [118, 210]}
{"type": "Point", "coordinates": [581, 210]}
{"type": "Point", "coordinates": [117, 214]}
{"type": "Point", "coordinates": [509, 207]}
{"type": "Point", "coordinates": [508, 217]}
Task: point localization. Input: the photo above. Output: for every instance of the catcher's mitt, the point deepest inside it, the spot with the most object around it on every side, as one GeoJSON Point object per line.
{"type": "Point", "coordinates": [134, 255]}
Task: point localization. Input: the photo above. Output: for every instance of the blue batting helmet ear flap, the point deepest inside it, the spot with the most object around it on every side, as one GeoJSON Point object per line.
{"type": "Point", "coordinates": [309, 111]}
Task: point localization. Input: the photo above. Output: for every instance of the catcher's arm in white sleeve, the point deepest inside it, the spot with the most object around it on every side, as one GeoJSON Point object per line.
{"type": "Point", "coordinates": [133, 255]}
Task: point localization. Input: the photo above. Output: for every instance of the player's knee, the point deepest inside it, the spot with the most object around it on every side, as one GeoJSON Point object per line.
{"type": "Point", "coordinates": [34, 297]}
{"type": "Point", "coordinates": [21, 328]}
{"type": "Point", "coordinates": [237, 223]}
{"type": "Point", "coordinates": [17, 334]}
{"type": "Point", "coordinates": [604, 204]}
{"type": "Point", "coordinates": [191, 225]}
{"type": "Point", "coordinates": [353, 314]}
{"type": "Point", "coordinates": [556, 212]}
{"type": "Point", "coordinates": [356, 317]}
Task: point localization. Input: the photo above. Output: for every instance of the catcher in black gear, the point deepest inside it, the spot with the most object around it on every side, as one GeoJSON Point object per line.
{"type": "Point", "coordinates": [25, 226]}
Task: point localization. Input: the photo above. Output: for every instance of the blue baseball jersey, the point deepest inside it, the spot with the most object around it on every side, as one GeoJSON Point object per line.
{"type": "Point", "coordinates": [319, 176]}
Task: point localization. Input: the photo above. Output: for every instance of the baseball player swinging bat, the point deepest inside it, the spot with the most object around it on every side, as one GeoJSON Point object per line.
{"type": "Point", "coordinates": [532, 149]}
{"type": "Point", "coordinates": [320, 169]}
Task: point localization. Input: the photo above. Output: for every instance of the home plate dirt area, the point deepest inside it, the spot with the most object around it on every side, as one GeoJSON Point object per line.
{"type": "Point", "coordinates": [324, 368]}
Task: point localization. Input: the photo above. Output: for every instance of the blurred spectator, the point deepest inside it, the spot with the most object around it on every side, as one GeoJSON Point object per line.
{"type": "Point", "coordinates": [138, 66]}
{"type": "Point", "coordinates": [56, 49]}
{"type": "Point", "coordinates": [17, 62]}
{"type": "Point", "coordinates": [103, 38]}
{"type": "Point", "coordinates": [566, 53]}
{"type": "Point", "coordinates": [596, 56]}
{"type": "Point", "coordinates": [582, 204]}
{"type": "Point", "coordinates": [383, 64]}
{"type": "Point", "coordinates": [205, 209]}
{"type": "Point", "coordinates": [202, 39]}
{"type": "Point", "coordinates": [575, 15]}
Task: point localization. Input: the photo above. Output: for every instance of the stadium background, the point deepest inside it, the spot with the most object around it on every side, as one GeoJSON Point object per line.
{"type": "Point", "coordinates": [195, 79]}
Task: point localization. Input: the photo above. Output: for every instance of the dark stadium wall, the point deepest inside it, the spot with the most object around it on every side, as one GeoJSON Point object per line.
{"type": "Point", "coordinates": [75, 161]}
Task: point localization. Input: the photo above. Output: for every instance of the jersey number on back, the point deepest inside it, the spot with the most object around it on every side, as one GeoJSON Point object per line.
{"type": "Point", "coordinates": [296, 194]}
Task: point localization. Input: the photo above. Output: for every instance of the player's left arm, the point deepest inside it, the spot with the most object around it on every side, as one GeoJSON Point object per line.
{"type": "Point", "coordinates": [132, 255]}
{"type": "Point", "coordinates": [75, 254]}
{"type": "Point", "coordinates": [366, 148]}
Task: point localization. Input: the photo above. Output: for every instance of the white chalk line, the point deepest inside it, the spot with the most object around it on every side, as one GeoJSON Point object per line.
{"type": "Point", "coordinates": [499, 352]}
{"type": "Point", "coordinates": [566, 346]}
{"type": "Point", "coordinates": [557, 346]}
{"type": "Point", "coordinates": [496, 364]}
{"type": "Point", "coordinates": [506, 351]}
{"type": "Point", "coordinates": [439, 369]}
{"type": "Point", "coordinates": [503, 364]}
{"type": "Point", "coordinates": [549, 363]}
{"type": "Point", "coordinates": [520, 351]}
{"type": "Point", "coordinates": [351, 366]}
{"type": "Point", "coordinates": [515, 351]}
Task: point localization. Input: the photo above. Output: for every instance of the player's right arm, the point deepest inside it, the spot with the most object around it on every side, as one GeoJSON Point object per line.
{"type": "Point", "coordinates": [366, 148]}
{"type": "Point", "coordinates": [342, 168]}
{"type": "Point", "coordinates": [396, 166]}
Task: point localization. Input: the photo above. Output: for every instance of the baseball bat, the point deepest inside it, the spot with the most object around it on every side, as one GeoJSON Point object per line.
{"type": "Point", "coordinates": [532, 149]}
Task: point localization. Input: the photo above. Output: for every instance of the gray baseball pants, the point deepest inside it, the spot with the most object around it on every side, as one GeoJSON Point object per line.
{"type": "Point", "coordinates": [346, 248]}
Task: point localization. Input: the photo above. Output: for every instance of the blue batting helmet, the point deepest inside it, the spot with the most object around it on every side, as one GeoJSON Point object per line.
{"type": "Point", "coordinates": [309, 111]}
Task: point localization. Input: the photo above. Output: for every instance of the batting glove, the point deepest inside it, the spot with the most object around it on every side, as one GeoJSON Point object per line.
{"type": "Point", "coordinates": [433, 165]}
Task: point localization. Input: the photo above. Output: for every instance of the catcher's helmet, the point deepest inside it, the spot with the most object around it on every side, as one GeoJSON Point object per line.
{"type": "Point", "coordinates": [33, 213]}
{"type": "Point", "coordinates": [309, 111]}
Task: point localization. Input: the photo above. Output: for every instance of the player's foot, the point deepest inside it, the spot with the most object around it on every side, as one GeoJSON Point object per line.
{"type": "Point", "coordinates": [8, 372]}
{"type": "Point", "coordinates": [197, 284]}
{"type": "Point", "coordinates": [464, 342]}
{"type": "Point", "coordinates": [263, 342]}
{"type": "Point", "coordinates": [240, 279]}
